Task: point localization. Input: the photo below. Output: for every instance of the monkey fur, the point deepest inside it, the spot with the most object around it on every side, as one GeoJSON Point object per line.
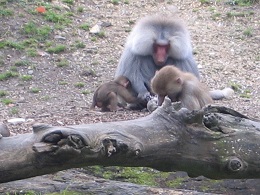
{"type": "Point", "coordinates": [112, 94]}
{"type": "Point", "coordinates": [180, 86]}
{"type": "Point", "coordinates": [154, 42]}
{"type": "Point", "coordinates": [169, 38]}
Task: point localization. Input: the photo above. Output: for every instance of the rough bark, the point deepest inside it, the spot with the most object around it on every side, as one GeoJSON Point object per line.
{"type": "Point", "coordinates": [216, 142]}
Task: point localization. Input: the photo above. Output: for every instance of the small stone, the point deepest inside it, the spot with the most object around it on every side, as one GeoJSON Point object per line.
{"type": "Point", "coordinates": [95, 29]}
{"type": "Point", "coordinates": [30, 72]}
{"type": "Point", "coordinates": [16, 121]}
{"type": "Point", "coordinates": [59, 37]}
{"type": "Point", "coordinates": [4, 131]}
{"type": "Point", "coordinates": [106, 24]}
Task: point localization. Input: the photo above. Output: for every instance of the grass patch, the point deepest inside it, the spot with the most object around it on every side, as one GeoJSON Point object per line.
{"type": "Point", "coordinates": [63, 63]}
{"type": "Point", "coordinates": [216, 15]}
{"type": "Point", "coordinates": [6, 12]}
{"type": "Point", "coordinates": [79, 44]}
{"type": "Point", "coordinates": [22, 63]}
{"type": "Point", "coordinates": [239, 14]}
{"type": "Point", "coordinates": [14, 111]}
{"type": "Point", "coordinates": [79, 85]}
{"type": "Point", "coordinates": [51, 16]}
{"type": "Point", "coordinates": [7, 101]}
{"type": "Point", "coordinates": [86, 92]}
{"type": "Point", "coordinates": [80, 9]}
{"type": "Point", "coordinates": [31, 29]}
{"type": "Point", "coordinates": [244, 2]}
{"type": "Point", "coordinates": [57, 49]}
{"type": "Point", "coordinates": [205, 1]}
{"type": "Point", "coordinates": [70, 2]}
{"type": "Point", "coordinates": [138, 175]}
{"type": "Point", "coordinates": [26, 77]}
{"type": "Point", "coordinates": [101, 34]}
{"type": "Point", "coordinates": [8, 74]}
{"type": "Point", "coordinates": [175, 183]}
{"type": "Point", "coordinates": [13, 69]}
{"type": "Point", "coordinates": [63, 83]}
{"type": "Point", "coordinates": [94, 39]}
{"type": "Point", "coordinates": [84, 26]}
{"type": "Point", "coordinates": [236, 87]}
{"type": "Point", "coordinates": [246, 94]}
{"type": "Point", "coordinates": [67, 192]}
{"type": "Point", "coordinates": [3, 93]}
{"type": "Point", "coordinates": [32, 52]}
{"type": "Point", "coordinates": [35, 90]}
{"type": "Point", "coordinates": [115, 2]}
{"type": "Point", "coordinates": [11, 44]}
{"type": "Point", "coordinates": [30, 42]}
{"type": "Point", "coordinates": [248, 32]}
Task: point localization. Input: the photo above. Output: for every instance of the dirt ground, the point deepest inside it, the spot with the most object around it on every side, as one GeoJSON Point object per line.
{"type": "Point", "coordinates": [225, 39]}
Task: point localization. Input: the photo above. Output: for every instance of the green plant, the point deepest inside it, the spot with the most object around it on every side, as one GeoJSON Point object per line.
{"type": "Point", "coordinates": [57, 49]}
{"type": "Point", "coordinates": [236, 87]}
{"type": "Point", "coordinates": [13, 68]}
{"type": "Point", "coordinates": [115, 2]}
{"type": "Point", "coordinates": [39, 33]}
{"type": "Point", "coordinates": [63, 83]}
{"type": "Point", "coordinates": [101, 34]}
{"type": "Point", "coordinates": [7, 101]}
{"type": "Point", "coordinates": [63, 63]}
{"type": "Point", "coordinates": [86, 92]}
{"type": "Point", "coordinates": [79, 44]}
{"type": "Point", "coordinates": [79, 85]}
{"type": "Point", "coordinates": [216, 15]}
{"type": "Point", "coordinates": [8, 74]}
{"type": "Point", "coordinates": [244, 2]}
{"type": "Point", "coordinates": [6, 12]}
{"type": "Point", "coordinates": [32, 52]}
{"type": "Point", "coordinates": [57, 18]}
{"type": "Point", "coordinates": [80, 9]}
{"type": "Point", "coordinates": [26, 77]}
{"type": "Point", "coordinates": [14, 111]}
{"type": "Point", "coordinates": [35, 90]}
{"type": "Point", "coordinates": [15, 45]}
{"type": "Point", "coordinates": [70, 2]}
{"type": "Point", "coordinates": [30, 42]}
{"type": "Point", "coordinates": [175, 183]}
{"type": "Point", "coordinates": [3, 93]}
{"type": "Point", "coordinates": [94, 39]}
{"type": "Point", "coordinates": [239, 14]}
{"type": "Point", "coordinates": [22, 63]}
{"type": "Point", "coordinates": [246, 94]}
{"type": "Point", "coordinates": [205, 1]}
{"type": "Point", "coordinates": [248, 32]}
{"type": "Point", "coordinates": [2, 44]}
{"type": "Point", "coordinates": [84, 26]}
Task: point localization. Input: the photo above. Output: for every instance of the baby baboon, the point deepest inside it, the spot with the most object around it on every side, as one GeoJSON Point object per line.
{"type": "Point", "coordinates": [180, 86]}
{"type": "Point", "coordinates": [109, 95]}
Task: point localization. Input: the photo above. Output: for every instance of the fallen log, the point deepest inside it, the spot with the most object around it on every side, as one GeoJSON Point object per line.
{"type": "Point", "coordinates": [216, 142]}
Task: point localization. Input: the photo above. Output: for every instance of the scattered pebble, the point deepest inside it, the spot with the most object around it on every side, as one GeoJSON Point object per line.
{"type": "Point", "coordinates": [95, 29]}
{"type": "Point", "coordinates": [16, 121]}
{"type": "Point", "coordinates": [4, 131]}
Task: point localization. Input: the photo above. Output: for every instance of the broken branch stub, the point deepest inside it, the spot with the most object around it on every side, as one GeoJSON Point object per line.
{"type": "Point", "coordinates": [216, 142]}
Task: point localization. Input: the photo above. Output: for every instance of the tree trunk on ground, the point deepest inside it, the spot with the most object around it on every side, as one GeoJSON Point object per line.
{"type": "Point", "coordinates": [215, 142]}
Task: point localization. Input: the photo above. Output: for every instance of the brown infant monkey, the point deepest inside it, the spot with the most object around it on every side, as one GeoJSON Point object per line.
{"type": "Point", "coordinates": [111, 94]}
{"type": "Point", "coordinates": [180, 86]}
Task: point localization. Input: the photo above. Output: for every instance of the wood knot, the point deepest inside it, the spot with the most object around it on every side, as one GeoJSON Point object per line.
{"type": "Point", "coordinates": [235, 164]}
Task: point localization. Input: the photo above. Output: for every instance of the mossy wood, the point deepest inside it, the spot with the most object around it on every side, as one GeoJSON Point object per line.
{"type": "Point", "coordinates": [216, 142]}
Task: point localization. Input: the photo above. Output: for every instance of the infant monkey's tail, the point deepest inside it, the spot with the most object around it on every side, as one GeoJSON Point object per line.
{"type": "Point", "coordinates": [221, 94]}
